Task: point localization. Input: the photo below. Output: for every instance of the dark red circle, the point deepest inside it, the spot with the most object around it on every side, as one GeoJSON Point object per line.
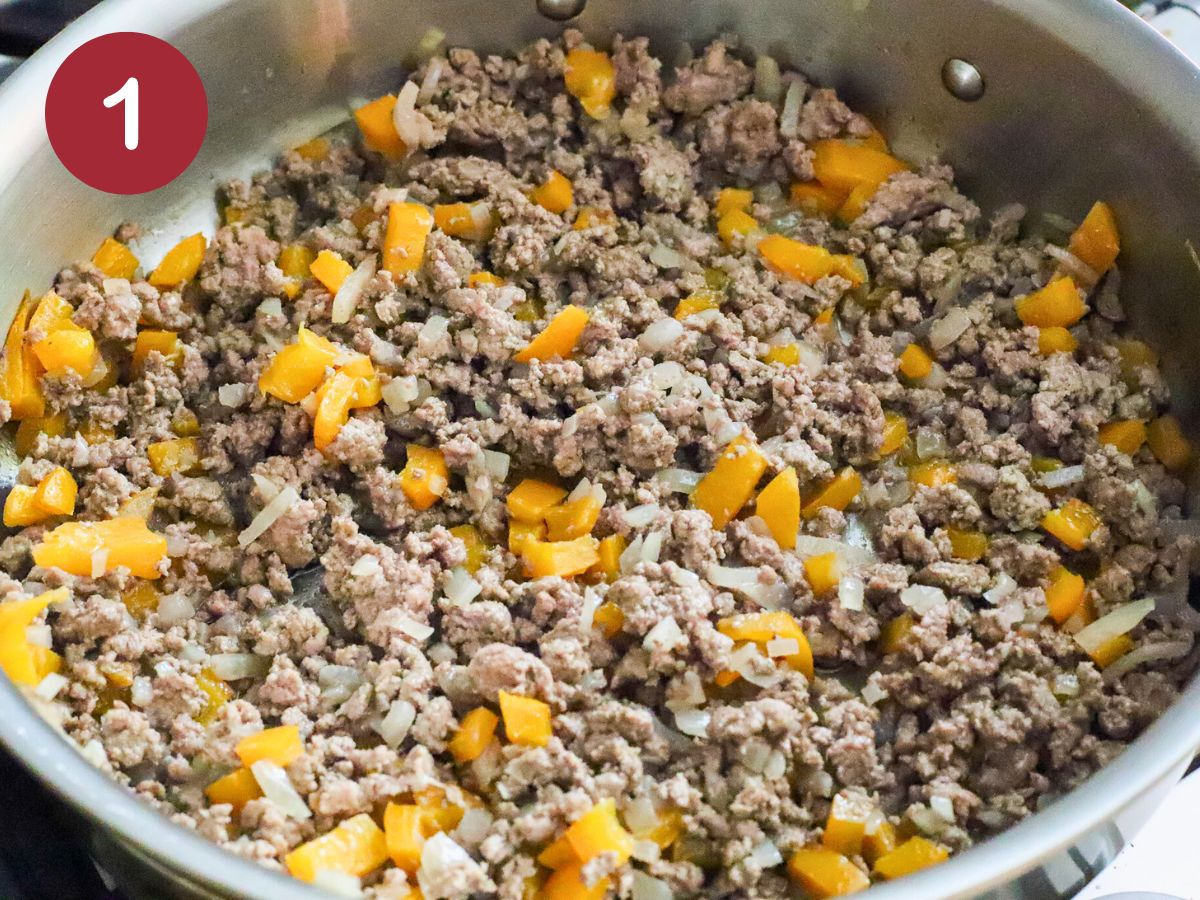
{"type": "Point", "coordinates": [89, 138]}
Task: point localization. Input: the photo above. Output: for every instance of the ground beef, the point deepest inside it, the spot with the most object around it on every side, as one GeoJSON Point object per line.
{"type": "Point", "coordinates": [368, 620]}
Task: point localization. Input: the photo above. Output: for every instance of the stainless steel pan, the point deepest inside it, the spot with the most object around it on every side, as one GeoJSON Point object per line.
{"type": "Point", "coordinates": [1082, 101]}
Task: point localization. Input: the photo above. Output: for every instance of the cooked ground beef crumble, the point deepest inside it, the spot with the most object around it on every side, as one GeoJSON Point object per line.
{"type": "Point", "coordinates": [947, 702]}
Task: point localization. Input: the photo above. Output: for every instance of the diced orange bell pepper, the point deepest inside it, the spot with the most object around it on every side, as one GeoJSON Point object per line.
{"type": "Point", "coordinates": [368, 390]}
{"type": "Point", "coordinates": [1165, 437]}
{"type": "Point", "coordinates": [456, 219]}
{"type": "Point", "coordinates": [297, 369]}
{"type": "Point", "coordinates": [166, 343]}
{"type": "Point", "coordinates": [558, 339]}
{"type": "Point", "coordinates": [474, 733]}
{"type": "Point", "coordinates": [1072, 523]}
{"type": "Point", "coordinates": [554, 194]}
{"type": "Point", "coordinates": [55, 493]}
{"type": "Point", "coordinates": [562, 558]}
{"type": "Point", "coordinates": [237, 788]}
{"type": "Point", "coordinates": [806, 262]}
{"type": "Point", "coordinates": [1056, 340]}
{"type": "Point", "coordinates": [1065, 594]}
{"type": "Point", "coordinates": [51, 313]}
{"type": "Point", "coordinates": [185, 423]}
{"type": "Point", "coordinates": [611, 549]}
{"type": "Point", "coordinates": [735, 224]}
{"type": "Point", "coordinates": [913, 855]}
{"type": "Point", "coordinates": [589, 76]}
{"type": "Point", "coordinates": [475, 279]}
{"type": "Point", "coordinates": [19, 384]}
{"type": "Point", "coordinates": [357, 846]}
{"type": "Point", "coordinates": [520, 534]}
{"type": "Point", "coordinates": [22, 662]}
{"type": "Point", "coordinates": [880, 842]}
{"type": "Point", "coordinates": [779, 506]}
{"type": "Point", "coordinates": [1096, 241]}
{"type": "Point", "coordinates": [729, 199]}
{"type": "Point", "coordinates": [567, 884]}
{"type": "Point", "coordinates": [181, 263]}
{"type": "Point", "coordinates": [315, 150]}
{"type": "Point", "coordinates": [572, 519]}
{"type": "Point", "coordinates": [408, 227]}
{"type": "Point", "coordinates": [526, 720]}
{"type": "Point", "coordinates": [816, 199]}
{"type": "Point", "coordinates": [1058, 304]}
{"type": "Point", "coordinates": [967, 544]}
{"type": "Point", "coordinates": [895, 433]}
{"type": "Point", "coordinates": [181, 455]}
{"type": "Point", "coordinates": [128, 541]}
{"type": "Point", "coordinates": [1111, 650]}
{"type": "Point", "coordinates": [846, 824]}
{"type": "Point", "coordinates": [141, 600]}
{"type": "Point", "coordinates": [843, 166]}
{"type": "Point", "coordinates": [140, 505]}
{"type": "Point", "coordinates": [330, 269]}
{"type": "Point", "coordinates": [21, 509]}
{"type": "Point", "coordinates": [591, 216]}
{"type": "Point", "coordinates": [697, 302]}
{"type": "Point", "coordinates": [216, 694]}
{"type": "Point", "coordinates": [609, 619]}
{"type": "Point", "coordinates": [29, 429]}
{"type": "Point", "coordinates": [334, 399]}
{"type": "Point", "coordinates": [425, 477]}
{"type": "Point", "coordinates": [280, 745]}
{"type": "Point", "coordinates": [727, 488]}
{"type": "Point", "coordinates": [1127, 435]}
{"type": "Point", "coordinates": [838, 494]}
{"type": "Point", "coordinates": [598, 831]}
{"type": "Point", "coordinates": [915, 362]}
{"type": "Point", "coordinates": [114, 259]}
{"type": "Point", "coordinates": [934, 473]}
{"type": "Point", "coordinates": [405, 828]}
{"type": "Point", "coordinates": [473, 544]}
{"type": "Point", "coordinates": [826, 873]}
{"type": "Point", "coordinates": [379, 133]}
{"type": "Point", "coordinates": [784, 354]}
{"type": "Point", "coordinates": [558, 854]}
{"type": "Point", "coordinates": [894, 633]}
{"type": "Point", "coordinates": [666, 830]}
{"type": "Point", "coordinates": [823, 572]}
{"type": "Point", "coordinates": [295, 261]}
{"type": "Point", "coordinates": [762, 627]}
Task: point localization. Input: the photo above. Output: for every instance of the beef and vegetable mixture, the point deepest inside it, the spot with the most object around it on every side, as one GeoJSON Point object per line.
{"type": "Point", "coordinates": [586, 476]}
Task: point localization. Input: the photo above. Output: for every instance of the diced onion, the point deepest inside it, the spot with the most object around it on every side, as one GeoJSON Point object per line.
{"type": "Point", "coordinates": [646, 851]}
{"type": "Point", "coordinates": [338, 883]}
{"type": "Point", "coordinates": [746, 661]}
{"type": "Point", "coordinates": [850, 592]}
{"type": "Point", "coordinates": [1162, 651]}
{"type": "Point", "coordinates": [1066, 684]}
{"type": "Point", "coordinates": [93, 751]}
{"type": "Point", "coordinates": [400, 392]}
{"type": "Point", "coordinates": [666, 375]}
{"type": "Point", "coordinates": [949, 328]}
{"type": "Point", "coordinates": [641, 516]}
{"type": "Point", "coordinates": [1074, 266]}
{"type": "Point", "coordinates": [50, 685]}
{"type": "Point", "coordinates": [1120, 621]}
{"type": "Point", "coordinates": [141, 692]}
{"type": "Point", "coordinates": [679, 481]}
{"type": "Point", "coordinates": [277, 787]}
{"type": "Point", "coordinates": [754, 754]}
{"type": "Point", "coordinates": [474, 825]}
{"type": "Point", "coordinates": [873, 693]}
{"type": "Point", "coordinates": [640, 815]}
{"type": "Point", "coordinates": [193, 652]}
{"type": "Point", "coordinates": [776, 764]}
{"type": "Point", "coordinates": [99, 561]}
{"type": "Point", "coordinates": [272, 306]}
{"type": "Point", "coordinates": [666, 258]}
{"type": "Point", "coordinates": [497, 464]}
{"type": "Point", "coordinates": [647, 887]}
{"type": "Point", "coordinates": [747, 580]}
{"type": "Point", "coordinates": [930, 443]}
{"type": "Point", "coordinates": [279, 504]}
{"type": "Point", "coordinates": [433, 73]}
{"type": "Point", "coordinates": [693, 722]}
{"type": "Point", "coordinates": [937, 378]}
{"type": "Point", "coordinates": [943, 807]}
{"type": "Point", "coordinates": [1063, 477]}
{"type": "Point", "coordinates": [174, 608]}
{"type": "Point", "coordinates": [435, 328]}
{"type": "Point", "coordinates": [38, 635]}
{"type": "Point", "coordinates": [789, 117]}
{"type": "Point", "coordinates": [806, 546]}
{"type": "Point", "coordinates": [921, 598]}
{"type": "Point", "coordinates": [233, 395]}
{"type": "Point", "coordinates": [661, 335]}
{"type": "Point", "coordinates": [417, 630]}
{"type": "Point", "coordinates": [439, 856]}
{"type": "Point", "coordinates": [926, 819]}
{"type": "Point", "coordinates": [1002, 585]}
{"type": "Point", "coordinates": [232, 666]}
{"type": "Point", "coordinates": [766, 855]}
{"type": "Point", "coordinates": [393, 727]}
{"type": "Point", "coordinates": [460, 587]}
{"type": "Point", "coordinates": [666, 635]}
{"type": "Point", "coordinates": [767, 83]}
{"type": "Point", "coordinates": [345, 301]}
{"type": "Point", "coordinates": [364, 566]}
{"type": "Point", "coordinates": [783, 647]}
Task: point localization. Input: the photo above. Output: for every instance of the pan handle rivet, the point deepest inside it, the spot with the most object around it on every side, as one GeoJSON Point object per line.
{"type": "Point", "coordinates": [962, 79]}
{"type": "Point", "coordinates": [560, 10]}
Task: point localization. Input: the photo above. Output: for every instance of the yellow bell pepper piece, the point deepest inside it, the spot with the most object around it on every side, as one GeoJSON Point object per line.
{"type": "Point", "coordinates": [1065, 594]}
{"type": "Point", "coordinates": [51, 313]}
{"type": "Point", "coordinates": [181, 263]}
{"type": "Point", "coordinates": [567, 884]}
{"type": "Point", "coordinates": [330, 269]}
{"type": "Point", "coordinates": [913, 855]}
{"type": "Point", "coordinates": [727, 488]}
{"type": "Point", "coordinates": [114, 259]}
{"type": "Point", "coordinates": [425, 477]}
{"type": "Point", "coordinates": [611, 549]}
{"type": "Point", "coordinates": [572, 519]}
{"type": "Point", "coordinates": [55, 493]}
{"type": "Point", "coordinates": [475, 279]}
{"type": "Point", "coordinates": [22, 662]}
{"type": "Point", "coordinates": [844, 166]}
{"type": "Point", "coordinates": [558, 339]}
{"type": "Point", "coordinates": [280, 745]}
{"type": "Point", "coordinates": [562, 558]}
{"type": "Point", "coordinates": [1056, 339]}
{"type": "Point", "coordinates": [697, 302]}
{"type": "Point", "coordinates": [762, 627]}
{"type": "Point", "coordinates": [823, 572]}
{"type": "Point", "coordinates": [609, 619]}
{"type": "Point", "coordinates": [895, 433]}
{"type": "Point", "coordinates": [520, 534]}
{"type": "Point", "coordinates": [474, 733]}
{"type": "Point", "coordinates": [334, 399]}
{"type": "Point", "coordinates": [185, 423]}
{"type": "Point", "coordinates": [379, 134]}
{"type": "Point", "coordinates": [297, 369]}
{"type": "Point", "coordinates": [141, 600]}
{"type": "Point", "coordinates": [1058, 304]}
{"type": "Point", "coordinates": [180, 455]}
{"type": "Point", "coordinates": [473, 544]}
{"type": "Point", "coordinates": [846, 824]}
{"type": "Point", "coordinates": [19, 384]}
{"type": "Point", "coordinates": [20, 508]}
{"type": "Point", "coordinates": [856, 202]}
{"type": "Point", "coordinates": [405, 826]}
{"type": "Point", "coordinates": [934, 473]}
{"type": "Point", "coordinates": [598, 831]}
{"type": "Point", "coordinates": [838, 494]}
{"type": "Point", "coordinates": [29, 429]}
{"type": "Point", "coordinates": [807, 263]}
{"type": "Point", "coordinates": [1127, 435]}
{"type": "Point", "coordinates": [915, 362]}
{"type": "Point", "coordinates": [216, 694]}
{"type": "Point", "coordinates": [1134, 355]}
{"type": "Point", "coordinates": [128, 541]}
{"type": "Point", "coordinates": [880, 842]}
{"type": "Point", "coordinates": [526, 720]}
{"type": "Point", "coordinates": [237, 789]}
{"type": "Point", "coordinates": [779, 506]}
{"type": "Point", "coordinates": [666, 831]}
{"type": "Point", "coordinates": [456, 219]}
{"type": "Point", "coordinates": [315, 150]}
{"type": "Point", "coordinates": [1165, 437]}
{"type": "Point", "coordinates": [591, 216]}
{"type": "Point", "coordinates": [357, 846]}
{"type": "Point", "coordinates": [295, 261]}
{"type": "Point", "coordinates": [589, 76]}
{"type": "Point", "coordinates": [735, 224]}
{"type": "Point", "coordinates": [408, 227]}
{"type": "Point", "coordinates": [894, 633]}
{"type": "Point", "coordinates": [1072, 523]}
{"type": "Point", "coordinates": [554, 194]}
{"type": "Point", "coordinates": [558, 854]}
{"type": "Point", "coordinates": [166, 343]}
{"type": "Point", "coordinates": [785, 355]}
{"type": "Point", "coordinates": [967, 544]}
{"type": "Point", "coordinates": [816, 199]}
{"type": "Point", "coordinates": [368, 390]}
{"type": "Point", "coordinates": [1096, 241]}
{"type": "Point", "coordinates": [730, 199]}
{"type": "Point", "coordinates": [1111, 650]}
{"type": "Point", "coordinates": [826, 873]}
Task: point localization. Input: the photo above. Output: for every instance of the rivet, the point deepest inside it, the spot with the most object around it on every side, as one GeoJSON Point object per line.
{"type": "Point", "coordinates": [560, 10]}
{"type": "Point", "coordinates": [963, 80]}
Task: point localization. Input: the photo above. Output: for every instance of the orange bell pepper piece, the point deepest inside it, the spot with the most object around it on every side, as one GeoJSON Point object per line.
{"type": "Point", "coordinates": [567, 884]}
{"type": "Point", "coordinates": [408, 227]}
{"type": "Point", "coordinates": [128, 541]}
{"type": "Point", "coordinates": [55, 493]}
{"type": "Point", "coordinates": [379, 133]}
{"type": "Point", "coordinates": [237, 788]}
{"type": "Point", "coordinates": [357, 847]}
{"type": "Point", "coordinates": [558, 339]}
{"type": "Point", "coordinates": [405, 826]}
{"type": "Point", "coordinates": [29, 429]}
{"type": "Point", "coordinates": [19, 383]}
{"type": "Point", "coordinates": [727, 488]}
{"type": "Point", "coordinates": [1057, 305]}
{"type": "Point", "coordinates": [280, 745]}
{"type": "Point", "coordinates": [21, 509]}
{"type": "Point", "coordinates": [297, 369]}
{"type": "Point", "coordinates": [1165, 437]}
{"type": "Point", "coordinates": [807, 263]}
{"type": "Point", "coordinates": [1096, 241]}
{"type": "Point", "coordinates": [334, 400]}
{"type": "Point", "coordinates": [1127, 435]}
{"type": "Point", "coordinates": [730, 199]}
{"type": "Point", "coordinates": [473, 544]}
{"type": "Point", "coordinates": [844, 166]}
{"type": "Point", "coordinates": [572, 519]}
{"type": "Point", "coordinates": [474, 733]}
{"type": "Point", "coordinates": [826, 873]}
{"type": "Point", "coordinates": [181, 263]}
{"type": "Point", "coordinates": [562, 558]}
{"type": "Point", "coordinates": [180, 455]}
{"type": "Point", "coordinates": [554, 194]}
{"type": "Point", "coordinates": [779, 506]}
{"type": "Point", "coordinates": [838, 494]}
{"type": "Point", "coordinates": [425, 477]}
{"type": "Point", "coordinates": [330, 269]}
{"type": "Point", "coordinates": [609, 619]}
{"type": "Point", "coordinates": [895, 433]}
{"type": "Point", "coordinates": [816, 199]}
{"type": "Point", "coordinates": [966, 544]}
{"type": "Point", "coordinates": [913, 855]}
{"type": "Point", "coordinates": [611, 549]}
{"type": "Point", "coordinates": [933, 473]}
{"type": "Point", "coordinates": [1065, 594]}
{"type": "Point", "coordinates": [823, 571]}
{"type": "Point", "coordinates": [915, 362]}
{"type": "Point", "coordinates": [697, 302]}
{"type": "Point", "coordinates": [114, 259]}
{"type": "Point", "coordinates": [526, 720]}
{"type": "Point", "coordinates": [1072, 523]}
{"type": "Point", "coordinates": [589, 76]}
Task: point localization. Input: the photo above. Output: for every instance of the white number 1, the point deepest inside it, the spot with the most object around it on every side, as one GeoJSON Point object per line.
{"type": "Point", "coordinates": [128, 94]}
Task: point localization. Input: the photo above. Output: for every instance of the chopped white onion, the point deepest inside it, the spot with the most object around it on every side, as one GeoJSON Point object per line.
{"type": "Point", "coordinates": [404, 115]}
{"type": "Point", "coordinates": [679, 481]}
{"type": "Point", "coordinates": [652, 546]}
{"type": "Point", "coordinates": [279, 504]}
{"type": "Point", "coordinates": [747, 661]}
{"type": "Point", "coordinates": [661, 335]}
{"type": "Point", "coordinates": [193, 652]}
{"type": "Point", "coordinates": [272, 306]}
{"type": "Point", "coordinates": [174, 608]}
{"type": "Point", "coordinates": [666, 375]}
{"type": "Point", "coordinates": [419, 631]}
{"type": "Point", "coordinates": [50, 685]}
{"type": "Point", "coordinates": [39, 635]}
{"type": "Point", "coordinates": [666, 258]}
{"type": "Point", "coordinates": [365, 566]}
{"type": "Point", "coordinates": [926, 819]}
{"type": "Point", "coordinates": [141, 692]}
{"type": "Point", "coordinates": [1144, 653]}
{"type": "Point", "coordinates": [930, 443]}
{"type": "Point", "coordinates": [937, 379]}
{"type": "Point", "coordinates": [1063, 477]}
{"type": "Point", "coordinates": [345, 301]}
{"type": "Point", "coordinates": [277, 787]}
{"type": "Point", "coordinates": [645, 851]}
{"type": "Point", "coordinates": [232, 666]}
{"type": "Point", "coordinates": [873, 693]}
{"type": "Point", "coordinates": [783, 647]}
{"type": "Point", "coordinates": [789, 117]}
{"type": "Point", "coordinates": [766, 855]}
{"type": "Point", "coordinates": [497, 464]}
{"type": "Point", "coordinates": [435, 328]}
{"type": "Point", "coordinates": [99, 561]}
{"type": "Point", "coordinates": [754, 754]}
{"type": "Point", "coordinates": [641, 516]}
{"type": "Point", "coordinates": [1074, 266]}
{"type": "Point", "coordinates": [393, 727]}
{"type": "Point", "coordinates": [943, 807]}
{"type": "Point", "coordinates": [460, 587]}
{"type": "Point", "coordinates": [439, 856]}
{"type": "Point", "coordinates": [666, 635]}
{"type": "Point", "coordinates": [949, 328]}
{"type": "Point", "coordinates": [848, 554]}
{"type": "Point", "coordinates": [233, 395]}
{"type": "Point", "coordinates": [640, 815]}
{"type": "Point", "coordinates": [1120, 621]}
{"type": "Point", "coordinates": [1066, 684]}
{"type": "Point", "coordinates": [693, 722]}
{"type": "Point", "coordinates": [921, 598]}
{"type": "Point", "coordinates": [851, 591]}
{"type": "Point", "coordinates": [647, 887]}
{"type": "Point", "coordinates": [474, 826]}
{"type": "Point", "coordinates": [1002, 586]}
{"type": "Point", "coordinates": [767, 84]}
{"type": "Point", "coordinates": [93, 751]}
{"type": "Point", "coordinates": [400, 392]}
{"type": "Point", "coordinates": [587, 612]}
{"type": "Point", "coordinates": [776, 765]}
{"type": "Point", "coordinates": [338, 883]}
